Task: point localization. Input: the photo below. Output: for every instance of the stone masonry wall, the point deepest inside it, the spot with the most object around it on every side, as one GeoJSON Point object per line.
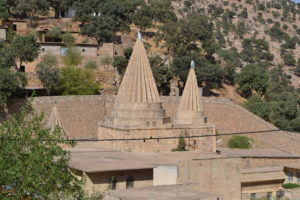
{"type": "Point", "coordinates": [81, 114]}
{"type": "Point", "coordinates": [213, 176]}
{"type": "Point", "coordinates": [207, 144]}
{"type": "Point", "coordinates": [99, 182]}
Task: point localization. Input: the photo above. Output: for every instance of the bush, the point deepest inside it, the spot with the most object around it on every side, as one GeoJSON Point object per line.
{"type": "Point", "coordinates": [290, 185]}
{"type": "Point", "coordinates": [239, 142]}
{"type": "Point", "coordinates": [181, 144]}
{"type": "Point", "coordinates": [289, 60]}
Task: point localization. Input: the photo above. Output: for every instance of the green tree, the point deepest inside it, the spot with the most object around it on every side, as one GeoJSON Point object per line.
{"type": "Point", "coordinates": [32, 8]}
{"type": "Point", "coordinates": [32, 162]}
{"type": "Point", "coordinates": [68, 39]}
{"type": "Point", "coordinates": [289, 60]}
{"type": "Point", "coordinates": [120, 63]}
{"type": "Point", "coordinates": [84, 10]}
{"type": "Point", "coordinates": [258, 106]}
{"type": "Point", "coordinates": [11, 84]}
{"type": "Point", "coordinates": [239, 142]}
{"type": "Point", "coordinates": [73, 57]}
{"type": "Point", "coordinates": [77, 81]}
{"type": "Point", "coordinates": [162, 11]}
{"type": "Point", "coordinates": [162, 74]}
{"type": "Point", "coordinates": [25, 48]}
{"type": "Point", "coordinates": [102, 28]}
{"type": "Point", "coordinates": [252, 78]}
{"type": "Point", "coordinates": [142, 18]}
{"type": "Point", "coordinates": [7, 57]}
{"type": "Point", "coordinates": [49, 73]}
{"type": "Point", "coordinates": [3, 11]}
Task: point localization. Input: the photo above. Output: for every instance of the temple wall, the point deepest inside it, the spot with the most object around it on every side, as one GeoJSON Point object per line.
{"type": "Point", "coordinates": [81, 114]}
{"type": "Point", "coordinates": [148, 144]}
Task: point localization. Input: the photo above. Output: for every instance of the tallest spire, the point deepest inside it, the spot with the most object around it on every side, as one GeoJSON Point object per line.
{"type": "Point", "coordinates": [137, 104]}
{"type": "Point", "coordinates": [138, 83]}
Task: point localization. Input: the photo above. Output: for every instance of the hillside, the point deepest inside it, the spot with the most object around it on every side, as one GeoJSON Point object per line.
{"type": "Point", "coordinates": [253, 19]}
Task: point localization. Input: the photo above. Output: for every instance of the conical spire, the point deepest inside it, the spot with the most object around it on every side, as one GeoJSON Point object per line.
{"type": "Point", "coordinates": [190, 107]}
{"type": "Point", "coordinates": [55, 121]}
{"type": "Point", "coordinates": [138, 84]}
{"type": "Point", "coordinates": [137, 104]}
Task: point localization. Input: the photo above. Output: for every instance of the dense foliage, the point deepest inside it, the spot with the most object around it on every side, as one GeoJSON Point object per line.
{"type": "Point", "coordinates": [290, 185]}
{"type": "Point", "coordinates": [33, 165]}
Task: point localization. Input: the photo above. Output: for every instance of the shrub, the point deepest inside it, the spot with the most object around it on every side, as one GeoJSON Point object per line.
{"type": "Point", "coordinates": [290, 185]}
{"type": "Point", "coordinates": [239, 142]}
{"type": "Point", "coordinates": [181, 144]}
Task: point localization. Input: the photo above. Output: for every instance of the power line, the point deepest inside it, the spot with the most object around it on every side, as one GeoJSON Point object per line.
{"type": "Point", "coordinates": [149, 138]}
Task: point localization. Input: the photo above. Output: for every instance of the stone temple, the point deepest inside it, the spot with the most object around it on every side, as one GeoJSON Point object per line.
{"type": "Point", "coordinates": [138, 112]}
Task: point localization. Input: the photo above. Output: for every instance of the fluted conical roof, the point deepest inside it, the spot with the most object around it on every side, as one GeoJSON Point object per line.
{"type": "Point", "coordinates": [190, 110]}
{"type": "Point", "coordinates": [137, 104]}
{"type": "Point", "coordinates": [190, 100]}
{"type": "Point", "coordinates": [138, 84]}
{"type": "Point", "coordinates": [55, 121]}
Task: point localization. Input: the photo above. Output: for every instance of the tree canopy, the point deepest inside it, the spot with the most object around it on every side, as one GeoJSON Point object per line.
{"type": "Point", "coordinates": [33, 164]}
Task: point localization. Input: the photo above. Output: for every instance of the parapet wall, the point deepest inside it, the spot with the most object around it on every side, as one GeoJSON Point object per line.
{"type": "Point", "coordinates": [81, 114]}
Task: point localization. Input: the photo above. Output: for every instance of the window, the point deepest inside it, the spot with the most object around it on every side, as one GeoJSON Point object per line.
{"type": "Point", "coordinates": [129, 182]}
{"type": "Point", "coordinates": [112, 183]}
{"type": "Point", "coordinates": [43, 49]}
{"type": "Point", "coordinates": [148, 124]}
{"type": "Point", "coordinates": [153, 123]}
{"type": "Point", "coordinates": [279, 194]}
{"type": "Point", "coordinates": [298, 177]}
{"type": "Point", "coordinates": [290, 175]}
{"type": "Point", "coordinates": [83, 50]}
{"type": "Point", "coordinates": [269, 195]}
{"type": "Point", "coordinates": [253, 196]}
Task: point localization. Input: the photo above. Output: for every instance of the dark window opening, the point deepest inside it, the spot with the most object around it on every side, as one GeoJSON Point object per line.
{"type": "Point", "coordinates": [253, 196]}
{"type": "Point", "coordinates": [279, 194]}
{"type": "Point", "coordinates": [83, 50]}
{"type": "Point", "coordinates": [14, 27]}
{"type": "Point", "coordinates": [129, 182]}
{"type": "Point", "coordinates": [269, 195]}
{"type": "Point", "coordinates": [22, 68]}
{"type": "Point", "coordinates": [153, 123]}
{"type": "Point", "coordinates": [43, 49]}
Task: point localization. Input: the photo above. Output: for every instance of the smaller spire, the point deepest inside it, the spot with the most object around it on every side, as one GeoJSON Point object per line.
{"type": "Point", "coordinates": [139, 35]}
{"type": "Point", "coordinates": [193, 64]}
{"type": "Point", "coordinates": [55, 121]}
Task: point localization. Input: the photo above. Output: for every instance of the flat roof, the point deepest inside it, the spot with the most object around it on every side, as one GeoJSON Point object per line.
{"type": "Point", "coordinates": [256, 153]}
{"type": "Point", "coordinates": [93, 158]}
{"type": "Point", "coordinates": [261, 170]}
{"type": "Point", "coordinates": [165, 192]}
{"type": "Point", "coordinates": [295, 165]}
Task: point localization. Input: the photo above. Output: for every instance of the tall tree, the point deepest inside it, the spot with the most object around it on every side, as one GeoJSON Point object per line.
{"type": "Point", "coordinates": [32, 8]}
{"type": "Point", "coordinates": [49, 73]}
{"type": "Point", "coordinates": [11, 84]}
{"type": "Point", "coordinates": [77, 81]}
{"type": "Point", "coordinates": [3, 10]}
{"type": "Point", "coordinates": [32, 162]}
{"type": "Point", "coordinates": [84, 10]}
{"type": "Point", "coordinates": [101, 28]}
{"type": "Point", "coordinates": [26, 48]}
